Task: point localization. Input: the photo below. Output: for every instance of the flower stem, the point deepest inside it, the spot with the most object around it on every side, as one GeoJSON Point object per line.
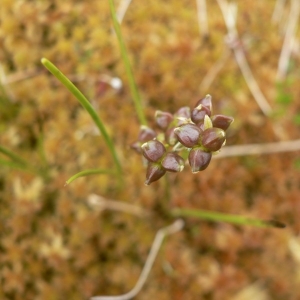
{"type": "Point", "coordinates": [16, 158]}
{"type": "Point", "coordinates": [133, 87]}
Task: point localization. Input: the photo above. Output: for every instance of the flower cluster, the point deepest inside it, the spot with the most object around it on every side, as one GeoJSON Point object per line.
{"type": "Point", "coordinates": [194, 133]}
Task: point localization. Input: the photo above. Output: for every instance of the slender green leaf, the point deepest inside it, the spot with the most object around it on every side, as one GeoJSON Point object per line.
{"type": "Point", "coordinates": [222, 217]}
{"type": "Point", "coordinates": [88, 107]}
{"type": "Point", "coordinates": [89, 172]}
{"type": "Point", "coordinates": [13, 156]}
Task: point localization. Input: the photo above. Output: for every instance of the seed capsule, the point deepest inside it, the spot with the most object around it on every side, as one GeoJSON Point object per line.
{"type": "Point", "coordinates": [206, 101]}
{"type": "Point", "coordinates": [146, 134]}
{"type": "Point", "coordinates": [199, 159]}
{"type": "Point", "coordinates": [163, 119]}
{"type": "Point", "coordinates": [213, 138]}
{"type": "Point", "coordinates": [188, 134]}
{"type": "Point", "coordinates": [199, 112]}
{"type": "Point", "coordinates": [154, 172]}
{"type": "Point", "coordinates": [173, 162]}
{"type": "Point", "coordinates": [221, 121]}
{"type": "Point", "coordinates": [171, 137]}
{"type": "Point", "coordinates": [153, 150]}
{"type": "Point", "coordinates": [184, 112]}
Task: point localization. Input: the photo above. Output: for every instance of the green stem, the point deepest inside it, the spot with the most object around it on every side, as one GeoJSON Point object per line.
{"type": "Point", "coordinates": [88, 172]}
{"type": "Point", "coordinates": [17, 159]}
{"type": "Point", "coordinates": [133, 87]}
{"type": "Point", "coordinates": [222, 217]}
{"type": "Point", "coordinates": [88, 107]}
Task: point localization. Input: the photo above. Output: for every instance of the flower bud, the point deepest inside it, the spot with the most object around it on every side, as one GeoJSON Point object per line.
{"type": "Point", "coordinates": [171, 137]}
{"type": "Point", "coordinates": [153, 150]}
{"type": "Point", "coordinates": [199, 112]}
{"type": "Point", "coordinates": [199, 159]}
{"type": "Point", "coordinates": [173, 162]}
{"type": "Point", "coordinates": [183, 115]}
{"type": "Point", "coordinates": [184, 112]}
{"type": "Point", "coordinates": [221, 121]}
{"type": "Point", "coordinates": [163, 119]}
{"type": "Point", "coordinates": [206, 101]}
{"type": "Point", "coordinates": [213, 138]}
{"type": "Point", "coordinates": [146, 134]}
{"type": "Point", "coordinates": [154, 172]}
{"type": "Point", "coordinates": [188, 134]}
{"type": "Point", "coordinates": [136, 146]}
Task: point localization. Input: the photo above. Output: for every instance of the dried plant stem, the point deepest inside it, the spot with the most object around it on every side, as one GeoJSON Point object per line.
{"type": "Point", "coordinates": [278, 9]}
{"type": "Point", "coordinates": [202, 18]}
{"type": "Point", "coordinates": [159, 237]}
{"type": "Point", "coordinates": [121, 11]}
{"type": "Point", "coordinates": [288, 40]}
{"type": "Point", "coordinates": [229, 14]}
{"type": "Point", "coordinates": [254, 149]}
{"type": "Point", "coordinates": [214, 70]}
{"type": "Point", "coordinates": [132, 84]}
{"type": "Point", "coordinates": [102, 203]}
{"type": "Point", "coordinates": [20, 76]}
{"type": "Point", "coordinates": [87, 106]}
{"type": "Point", "coordinates": [5, 91]}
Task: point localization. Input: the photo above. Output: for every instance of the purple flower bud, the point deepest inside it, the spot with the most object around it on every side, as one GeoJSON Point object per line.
{"type": "Point", "coordinates": [173, 162]}
{"type": "Point", "coordinates": [199, 159]}
{"type": "Point", "coordinates": [221, 121]}
{"type": "Point", "coordinates": [188, 134]}
{"type": "Point", "coordinates": [171, 137]}
{"type": "Point", "coordinates": [163, 119]}
{"type": "Point", "coordinates": [213, 138]}
{"type": "Point", "coordinates": [146, 134]}
{"type": "Point", "coordinates": [154, 172]}
{"type": "Point", "coordinates": [136, 146]}
{"type": "Point", "coordinates": [206, 101]}
{"type": "Point", "coordinates": [183, 113]}
{"type": "Point", "coordinates": [153, 150]}
{"type": "Point", "coordinates": [199, 112]}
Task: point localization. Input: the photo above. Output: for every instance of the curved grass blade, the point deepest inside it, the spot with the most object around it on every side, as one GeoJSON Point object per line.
{"type": "Point", "coordinates": [19, 166]}
{"type": "Point", "coordinates": [17, 159]}
{"type": "Point", "coordinates": [89, 172]}
{"type": "Point", "coordinates": [222, 217]}
{"type": "Point", "coordinates": [132, 84]}
{"type": "Point", "coordinates": [88, 107]}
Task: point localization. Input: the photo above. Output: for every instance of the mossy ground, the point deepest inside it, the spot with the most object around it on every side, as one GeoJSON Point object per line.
{"type": "Point", "coordinates": [53, 243]}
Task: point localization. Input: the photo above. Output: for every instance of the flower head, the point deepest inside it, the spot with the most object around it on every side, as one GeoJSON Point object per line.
{"type": "Point", "coordinates": [195, 131]}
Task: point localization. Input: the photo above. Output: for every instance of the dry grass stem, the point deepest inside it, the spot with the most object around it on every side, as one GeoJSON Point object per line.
{"type": "Point", "coordinates": [101, 203]}
{"type": "Point", "coordinates": [289, 40]}
{"type": "Point", "coordinates": [214, 70]}
{"type": "Point", "coordinates": [202, 18]}
{"type": "Point", "coordinates": [252, 291]}
{"type": "Point", "coordinates": [229, 14]}
{"type": "Point", "coordinates": [20, 76]}
{"type": "Point", "coordinates": [159, 237]}
{"type": "Point", "coordinates": [254, 149]}
{"type": "Point", "coordinates": [278, 9]}
{"type": "Point", "coordinates": [121, 11]}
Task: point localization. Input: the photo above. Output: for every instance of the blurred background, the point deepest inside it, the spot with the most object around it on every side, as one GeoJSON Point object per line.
{"type": "Point", "coordinates": [79, 241]}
